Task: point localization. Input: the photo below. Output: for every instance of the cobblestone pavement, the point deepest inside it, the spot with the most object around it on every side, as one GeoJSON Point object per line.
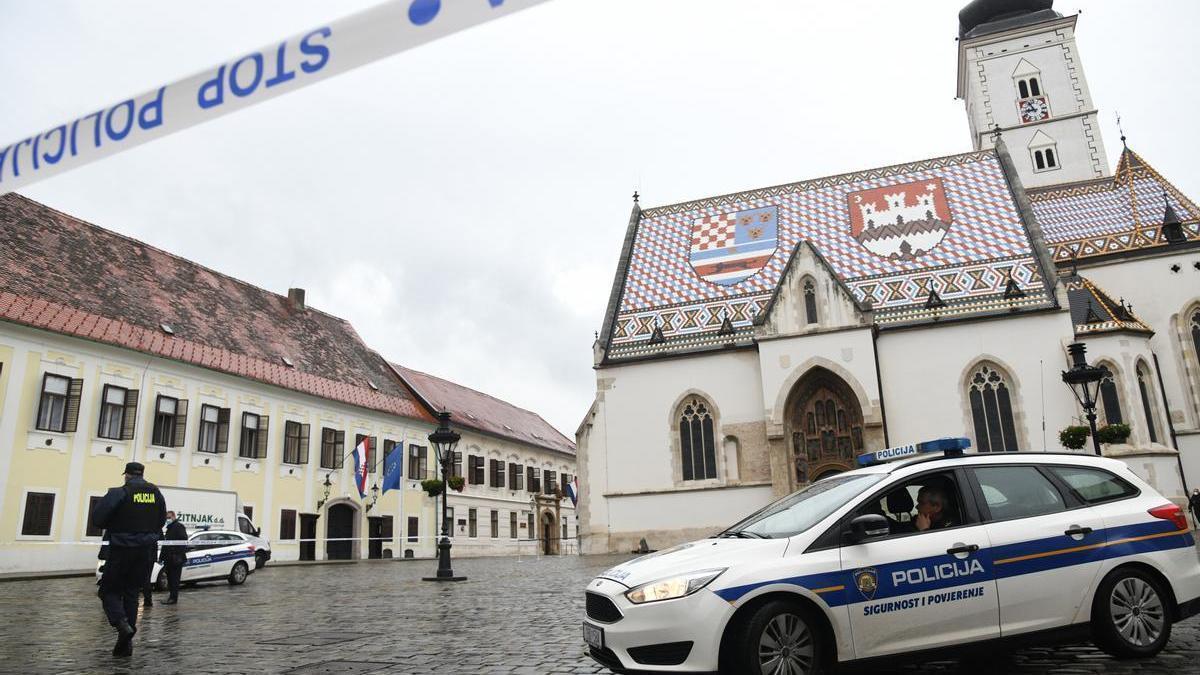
{"type": "Point", "coordinates": [514, 615]}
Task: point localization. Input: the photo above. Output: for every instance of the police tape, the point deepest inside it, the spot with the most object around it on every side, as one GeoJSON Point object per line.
{"type": "Point", "coordinates": [298, 61]}
{"type": "Point", "coordinates": [457, 541]}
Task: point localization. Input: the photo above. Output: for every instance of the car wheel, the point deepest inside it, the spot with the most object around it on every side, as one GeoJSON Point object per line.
{"type": "Point", "coordinates": [260, 561]}
{"type": "Point", "coordinates": [237, 576]}
{"type": "Point", "coordinates": [1131, 615]}
{"type": "Point", "coordinates": [782, 638]}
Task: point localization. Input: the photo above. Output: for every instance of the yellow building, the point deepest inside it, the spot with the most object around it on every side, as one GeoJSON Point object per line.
{"type": "Point", "coordinates": [112, 351]}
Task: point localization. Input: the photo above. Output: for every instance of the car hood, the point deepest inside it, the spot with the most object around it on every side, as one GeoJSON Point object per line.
{"type": "Point", "coordinates": [693, 557]}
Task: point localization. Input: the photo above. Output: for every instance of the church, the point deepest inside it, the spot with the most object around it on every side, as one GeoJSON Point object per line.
{"type": "Point", "coordinates": [757, 341]}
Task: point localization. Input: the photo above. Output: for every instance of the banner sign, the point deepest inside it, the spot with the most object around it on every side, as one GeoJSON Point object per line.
{"type": "Point", "coordinates": [278, 68]}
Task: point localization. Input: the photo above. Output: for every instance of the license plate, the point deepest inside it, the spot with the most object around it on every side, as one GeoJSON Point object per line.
{"type": "Point", "coordinates": [593, 635]}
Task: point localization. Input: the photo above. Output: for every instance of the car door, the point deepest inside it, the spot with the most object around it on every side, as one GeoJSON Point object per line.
{"type": "Point", "coordinates": [920, 588]}
{"type": "Point", "coordinates": [198, 561]}
{"type": "Point", "coordinates": [1046, 547]}
{"type": "Point", "coordinates": [225, 553]}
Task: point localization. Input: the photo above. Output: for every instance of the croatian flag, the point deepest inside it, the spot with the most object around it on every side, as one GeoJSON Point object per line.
{"type": "Point", "coordinates": [573, 490]}
{"type": "Point", "coordinates": [362, 457]}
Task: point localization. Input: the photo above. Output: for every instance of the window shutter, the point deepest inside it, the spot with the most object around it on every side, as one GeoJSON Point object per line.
{"type": "Point", "coordinates": [223, 430]}
{"type": "Point", "coordinates": [129, 420]}
{"type": "Point", "coordinates": [181, 410]}
{"type": "Point", "coordinates": [373, 455]}
{"type": "Point", "coordinates": [39, 509]}
{"type": "Point", "coordinates": [73, 395]}
{"type": "Point", "coordinates": [339, 450]}
{"type": "Point", "coordinates": [388, 528]}
{"type": "Point", "coordinates": [93, 530]}
{"type": "Point", "coordinates": [264, 429]}
{"type": "Point", "coordinates": [304, 428]}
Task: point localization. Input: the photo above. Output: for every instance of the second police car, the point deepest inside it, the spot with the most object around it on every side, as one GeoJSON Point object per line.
{"type": "Point", "coordinates": [923, 549]}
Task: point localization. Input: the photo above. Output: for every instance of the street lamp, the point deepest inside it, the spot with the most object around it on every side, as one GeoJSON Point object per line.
{"type": "Point", "coordinates": [328, 486]}
{"type": "Point", "coordinates": [374, 496]}
{"type": "Point", "coordinates": [1084, 381]}
{"type": "Point", "coordinates": [444, 440]}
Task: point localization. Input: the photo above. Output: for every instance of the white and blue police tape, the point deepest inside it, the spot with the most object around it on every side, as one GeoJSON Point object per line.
{"type": "Point", "coordinates": [278, 68]}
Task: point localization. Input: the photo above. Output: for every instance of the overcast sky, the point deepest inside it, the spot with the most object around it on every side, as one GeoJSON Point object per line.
{"type": "Point", "coordinates": [463, 204]}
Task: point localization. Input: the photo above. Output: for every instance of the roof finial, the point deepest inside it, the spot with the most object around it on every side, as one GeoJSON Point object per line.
{"type": "Point", "coordinates": [635, 196]}
{"type": "Point", "coordinates": [1123, 143]}
{"type": "Point", "coordinates": [996, 131]}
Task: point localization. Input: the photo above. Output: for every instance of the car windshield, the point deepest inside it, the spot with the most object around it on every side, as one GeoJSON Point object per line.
{"type": "Point", "coordinates": [801, 510]}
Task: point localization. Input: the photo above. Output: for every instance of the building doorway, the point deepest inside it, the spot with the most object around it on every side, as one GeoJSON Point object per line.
{"type": "Point", "coordinates": [339, 531]}
{"type": "Point", "coordinates": [825, 419]}
{"type": "Point", "coordinates": [308, 536]}
{"type": "Point", "coordinates": [549, 534]}
{"type": "Point", "coordinates": [375, 537]}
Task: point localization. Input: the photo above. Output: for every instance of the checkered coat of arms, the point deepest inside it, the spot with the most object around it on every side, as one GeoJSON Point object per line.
{"type": "Point", "coordinates": [729, 248]}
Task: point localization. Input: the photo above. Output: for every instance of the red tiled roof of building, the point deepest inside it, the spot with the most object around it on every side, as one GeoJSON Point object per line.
{"type": "Point", "coordinates": [64, 275]}
{"type": "Point", "coordinates": [482, 412]}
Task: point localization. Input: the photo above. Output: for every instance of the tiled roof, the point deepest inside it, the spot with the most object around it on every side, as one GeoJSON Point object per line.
{"type": "Point", "coordinates": [1111, 215]}
{"type": "Point", "coordinates": [479, 411]}
{"type": "Point", "coordinates": [1094, 311]}
{"type": "Point", "coordinates": [974, 242]}
{"type": "Point", "coordinates": [67, 276]}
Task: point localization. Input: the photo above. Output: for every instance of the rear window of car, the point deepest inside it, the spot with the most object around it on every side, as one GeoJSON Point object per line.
{"type": "Point", "coordinates": [1018, 492]}
{"type": "Point", "coordinates": [1094, 485]}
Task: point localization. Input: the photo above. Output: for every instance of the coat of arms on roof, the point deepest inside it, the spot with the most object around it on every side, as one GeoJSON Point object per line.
{"type": "Point", "coordinates": [732, 247]}
{"type": "Point", "coordinates": [901, 221]}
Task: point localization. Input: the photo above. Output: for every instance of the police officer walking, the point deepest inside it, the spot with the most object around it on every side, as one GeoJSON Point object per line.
{"type": "Point", "coordinates": [133, 515]}
{"type": "Point", "coordinates": [174, 557]}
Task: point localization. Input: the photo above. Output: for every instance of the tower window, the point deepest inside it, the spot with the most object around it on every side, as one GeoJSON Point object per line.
{"type": "Point", "coordinates": [1043, 151]}
{"type": "Point", "coordinates": [1023, 88]}
{"type": "Point", "coordinates": [1039, 160]}
{"type": "Point", "coordinates": [1050, 164]}
{"type": "Point", "coordinates": [810, 302]}
{"type": "Point", "coordinates": [1034, 88]}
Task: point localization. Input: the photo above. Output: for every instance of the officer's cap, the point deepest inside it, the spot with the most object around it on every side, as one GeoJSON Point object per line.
{"type": "Point", "coordinates": [135, 468]}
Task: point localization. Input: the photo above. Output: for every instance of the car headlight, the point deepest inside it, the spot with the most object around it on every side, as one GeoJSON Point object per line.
{"type": "Point", "coordinates": [672, 587]}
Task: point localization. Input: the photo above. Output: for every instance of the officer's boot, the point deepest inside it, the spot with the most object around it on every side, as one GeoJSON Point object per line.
{"type": "Point", "coordinates": [125, 633]}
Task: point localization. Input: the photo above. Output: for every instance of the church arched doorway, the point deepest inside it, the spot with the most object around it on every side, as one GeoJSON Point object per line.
{"type": "Point", "coordinates": [339, 530]}
{"type": "Point", "coordinates": [549, 534]}
{"type": "Point", "coordinates": [825, 422]}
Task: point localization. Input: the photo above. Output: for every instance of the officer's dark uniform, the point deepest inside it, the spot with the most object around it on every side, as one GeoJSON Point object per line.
{"type": "Point", "coordinates": [173, 558]}
{"type": "Point", "coordinates": [133, 515]}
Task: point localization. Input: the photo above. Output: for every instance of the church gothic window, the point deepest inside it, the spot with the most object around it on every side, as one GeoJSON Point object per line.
{"type": "Point", "coordinates": [1145, 389]}
{"type": "Point", "coordinates": [696, 440]}
{"type": "Point", "coordinates": [991, 410]}
{"type": "Point", "coordinates": [1109, 400]}
{"type": "Point", "coordinates": [1196, 332]}
{"type": "Point", "coordinates": [810, 302]}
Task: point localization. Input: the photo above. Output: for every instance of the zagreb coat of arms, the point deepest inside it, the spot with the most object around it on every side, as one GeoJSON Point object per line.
{"type": "Point", "coordinates": [901, 221]}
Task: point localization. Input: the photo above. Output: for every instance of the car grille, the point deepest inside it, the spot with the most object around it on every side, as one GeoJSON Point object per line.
{"type": "Point", "coordinates": [607, 658]}
{"type": "Point", "coordinates": [600, 608]}
{"type": "Point", "coordinates": [665, 654]}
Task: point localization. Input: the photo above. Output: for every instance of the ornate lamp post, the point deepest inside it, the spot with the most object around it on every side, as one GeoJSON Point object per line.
{"type": "Point", "coordinates": [1084, 381]}
{"type": "Point", "coordinates": [328, 486]}
{"type": "Point", "coordinates": [444, 440]}
{"type": "Point", "coordinates": [374, 497]}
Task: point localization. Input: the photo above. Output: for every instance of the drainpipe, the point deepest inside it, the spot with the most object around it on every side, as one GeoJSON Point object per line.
{"type": "Point", "coordinates": [879, 384]}
{"type": "Point", "coordinates": [1162, 389]}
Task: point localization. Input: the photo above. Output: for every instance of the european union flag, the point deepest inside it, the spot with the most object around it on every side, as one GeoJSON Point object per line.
{"type": "Point", "coordinates": [392, 468]}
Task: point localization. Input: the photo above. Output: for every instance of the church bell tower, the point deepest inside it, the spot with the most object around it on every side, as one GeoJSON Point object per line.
{"type": "Point", "coordinates": [1019, 71]}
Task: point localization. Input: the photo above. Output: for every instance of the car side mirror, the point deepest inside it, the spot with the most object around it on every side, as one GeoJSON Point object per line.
{"type": "Point", "coordinates": [867, 527]}
{"type": "Point", "coordinates": [258, 531]}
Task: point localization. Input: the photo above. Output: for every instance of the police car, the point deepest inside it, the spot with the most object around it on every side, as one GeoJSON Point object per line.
{"type": "Point", "coordinates": [922, 550]}
{"type": "Point", "coordinates": [214, 554]}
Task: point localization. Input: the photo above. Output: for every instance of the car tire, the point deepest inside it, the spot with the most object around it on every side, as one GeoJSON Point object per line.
{"type": "Point", "coordinates": [237, 576]}
{"type": "Point", "coordinates": [260, 561]}
{"type": "Point", "coordinates": [1131, 615]}
{"type": "Point", "coordinates": [782, 633]}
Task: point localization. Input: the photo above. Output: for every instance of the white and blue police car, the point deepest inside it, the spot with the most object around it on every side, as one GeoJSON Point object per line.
{"type": "Point", "coordinates": [211, 555]}
{"type": "Point", "coordinates": [923, 551]}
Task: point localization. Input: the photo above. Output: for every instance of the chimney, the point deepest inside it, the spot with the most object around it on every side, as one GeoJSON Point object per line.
{"type": "Point", "coordinates": [296, 299]}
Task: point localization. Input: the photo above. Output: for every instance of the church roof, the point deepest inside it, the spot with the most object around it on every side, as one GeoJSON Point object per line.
{"type": "Point", "coordinates": [483, 412]}
{"type": "Point", "coordinates": [890, 235]}
{"type": "Point", "coordinates": [983, 17]}
{"type": "Point", "coordinates": [1094, 311]}
{"type": "Point", "coordinates": [1109, 216]}
{"type": "Point", "coordinates": [64, 275]}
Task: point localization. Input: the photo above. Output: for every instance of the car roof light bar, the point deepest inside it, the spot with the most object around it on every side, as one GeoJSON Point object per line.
{"type": "Point", "coordinates": [950, 447]}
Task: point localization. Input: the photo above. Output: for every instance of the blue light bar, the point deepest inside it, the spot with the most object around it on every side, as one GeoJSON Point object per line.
{"type": "Point", "coordinates": [951, 447]}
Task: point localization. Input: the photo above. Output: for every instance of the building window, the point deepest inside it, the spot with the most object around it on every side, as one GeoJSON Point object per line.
{"type": "Point", "coordinates": [1109, 399]}
{"type": "Point", "coordinates": [254, 436]}
{"type": "Point", "coordinates": [372, 450]}
{"type": "Point", "coordinates": [697, 448]}
{"type": "Point", "coordinates": [564, 526]}
{"type": "Point", "coordinates": [456, 468]}
{"type": "Point", "coordinates": [39, 513]}
{"type": "Point", "coordinates": [533, 479]}
{"type": "Point", "coordinates": [564, 481]}
{"type": "Point", "coordinates": [551, 482]}
{"type": "Point", "coordinates": [112, 412]}
{"type": "Point", "coordinates": [92, 529]}
{"type": "Point", "coordinates": [214, 429]}
{"type": "Point", "coordinates": [1029, 86]}
{"type": "Point", "coordinates": [810, 302]}
{"type": "Point", "coordinates": [495, 524]}
{"type": "Point", "coordinates": [1044, 159]}
{"type": "Point", "coordinates": [295, 443]}
{"type": "Point", "coordinates": [475, 467]}
{"type": "Point", "coordinates": [417, 462]}
{"type": "Point", "coordinates": [472, 524]}
{"type": "Point", "coordinates": [287, 524]}
{"type": "Point", "coordinates": [529, 523]}
{"type": "Point", "coordinates": [512, 524]}
{"type": "Point", "coordinates": [414, 528]}
{"type": "Point", "coordinates": [58, 408]}
{"type": "Point", "coordinates": [1149, 405]}
{"type": "Point", "coordinates": [333, 448]}
{"type": "Point", "coordinates": [516, 480]}
{"type": "Point", "coordinates": [1196, 333]}
{"type": "Point", "coordinates": [170, 422]}
{"type": "Point", "coordinates": [991, 411]}
{"type": "Point", "coordinates": [496, 473]}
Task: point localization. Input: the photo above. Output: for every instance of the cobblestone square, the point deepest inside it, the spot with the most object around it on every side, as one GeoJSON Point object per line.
{"type": "Point", "coordinates": [513, 615]}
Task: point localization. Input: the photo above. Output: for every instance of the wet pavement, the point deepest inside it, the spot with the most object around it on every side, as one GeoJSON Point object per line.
{"type": "Point", "coordinates": [513, 615]}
